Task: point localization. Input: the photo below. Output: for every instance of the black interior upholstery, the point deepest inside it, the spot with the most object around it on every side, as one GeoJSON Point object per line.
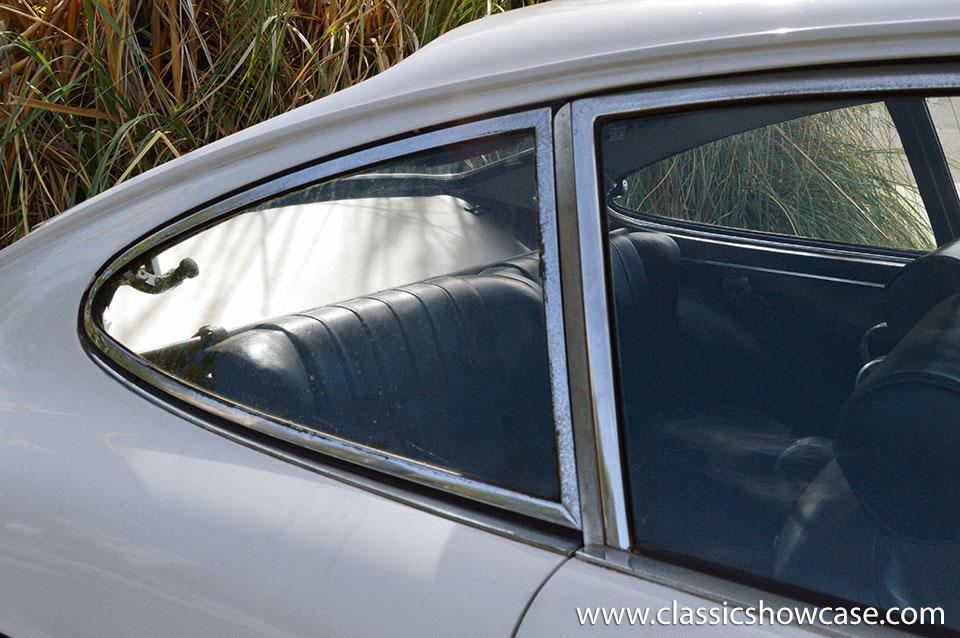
{"type": "Point", "coordinates": [739, 453]}
{"type": "Point", "coordinates": [709, 413]}
{"type": "Point", "coordinates": [862, 502]}
{"type": "Point", "coordinates": [898, 443]}
{"type": "Point", "coordinates": [881, 523]}
{"type": "Point", "coordinates": [645, 268]}
{"type": "Point", "coordinates": [830, 543]}
{"type": "Point", "coordinates": [729, 360]}
{"type": "Point", "coordinates": [446, 371]}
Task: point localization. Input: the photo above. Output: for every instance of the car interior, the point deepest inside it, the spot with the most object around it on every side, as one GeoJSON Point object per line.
{"type": "Point", "coordinates": [397, 369]}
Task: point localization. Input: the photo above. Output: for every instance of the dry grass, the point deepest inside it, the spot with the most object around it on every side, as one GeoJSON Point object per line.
{"type": "Point", "coordinates": [94, 91]}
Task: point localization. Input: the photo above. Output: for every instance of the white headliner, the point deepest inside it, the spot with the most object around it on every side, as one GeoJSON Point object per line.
{"type": "Point", "coordinates": [532, 55]}
{"type": "Point", "coordinates": [278, 261]}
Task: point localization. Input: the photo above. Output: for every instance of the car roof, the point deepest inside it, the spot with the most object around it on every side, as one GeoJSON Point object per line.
{"type": "Point", "coordinates": [547, 52]}
{"type": "Point", "coordinates": [659, 40]}
{"type": "Point", "coordinates": [574, 47]}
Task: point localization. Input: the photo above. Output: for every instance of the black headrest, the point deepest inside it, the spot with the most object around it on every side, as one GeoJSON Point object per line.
{"type": "Point", "coordinates": [898, 441]}
{"type": "Point", "coordinates": [921, 285]}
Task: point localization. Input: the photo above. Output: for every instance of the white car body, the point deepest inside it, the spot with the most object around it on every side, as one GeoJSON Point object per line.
{"type": "Point", "coordinates": [123, 515]}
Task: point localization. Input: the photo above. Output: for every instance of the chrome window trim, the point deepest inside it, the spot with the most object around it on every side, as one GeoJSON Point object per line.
{"type": "Point", "coordinates": [553, 305]}
{"type": "Point", "coordinates": [582, 353]}
{"type": "Point", "coordinates": [801, 245]}
{"type": "Point", "coordinates": [566, 512]}
{"type": "Point", "coordinates": [585, 115]}
{"type": "Point", "coordinates": [599, 343]}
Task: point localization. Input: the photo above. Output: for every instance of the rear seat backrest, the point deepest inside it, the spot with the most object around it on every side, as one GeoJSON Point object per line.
{"type": "Point", "coordinates": [451, 371]}
{"type": "Point", "coordinates": [522, 267]}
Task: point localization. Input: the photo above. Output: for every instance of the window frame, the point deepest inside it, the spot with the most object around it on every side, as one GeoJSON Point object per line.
{"type": "Point", "coordinates": [565, 512]}
{"type": "Point", "coordinates": [608, 540]}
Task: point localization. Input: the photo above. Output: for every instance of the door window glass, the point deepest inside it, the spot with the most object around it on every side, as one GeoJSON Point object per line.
{"type": "Point", "coordinates": [767, 427]}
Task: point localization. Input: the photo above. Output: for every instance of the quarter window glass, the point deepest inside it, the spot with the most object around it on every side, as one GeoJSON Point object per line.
{"type": "Point", "coordinates": [839, 175]}
{"type": "Point", "coordinates": [399, 307]}
{"type": "Point", "coordinates": [775, 420]}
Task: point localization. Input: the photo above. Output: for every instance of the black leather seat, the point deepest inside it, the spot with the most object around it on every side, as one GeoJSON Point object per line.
{"type": "Point", "coordinates": [881, 524]}
{"type": "Point", "coordinates": [525, 267]}
{"type": "Point", "coordinates": [645, 268]}
{"type": "Point", "coordinates": [445, 371]}
{"type": "Point", "coordinates": [451, 371]}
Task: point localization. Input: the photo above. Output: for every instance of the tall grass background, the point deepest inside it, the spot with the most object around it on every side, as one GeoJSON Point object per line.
{"type": "Point", "coordinates": [95, 91]}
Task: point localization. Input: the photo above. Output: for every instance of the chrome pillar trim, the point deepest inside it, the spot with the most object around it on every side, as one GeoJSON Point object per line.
{"type": "Point", "coordinates": [578, 369]}
{"type": "Point", "coordinates": [565, 513]}
{"type": "Point", "coordinates": [599, 347]}
{"type": "Point", "coordinates": [553, 303]}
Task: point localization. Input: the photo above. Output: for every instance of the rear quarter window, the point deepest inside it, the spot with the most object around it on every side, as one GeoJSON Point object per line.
{"type": "Point", "coordinates": [397, 310]}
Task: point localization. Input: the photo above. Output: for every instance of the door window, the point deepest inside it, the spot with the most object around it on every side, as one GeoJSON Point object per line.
{"type": "Point", "coordinates": [751, 439]}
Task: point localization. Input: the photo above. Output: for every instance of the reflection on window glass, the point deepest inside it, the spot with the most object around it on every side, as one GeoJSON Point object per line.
{"type": "Point", "coordinates": [841, 175]}
{"type": "Point", "coordinates": [945, 112]}
{"type": "Point", "coordinates": [777, 422]}
{"type": "Point", "coordinates": [399, 307]}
